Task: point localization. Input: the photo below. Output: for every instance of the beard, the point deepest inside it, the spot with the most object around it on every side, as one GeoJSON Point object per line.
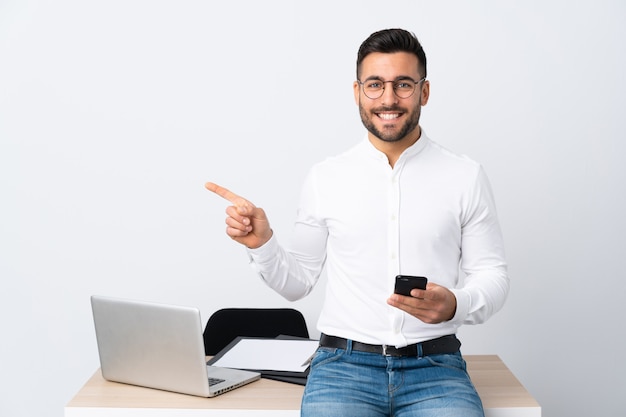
{"type": "Point", "coordinates": [389, 134]}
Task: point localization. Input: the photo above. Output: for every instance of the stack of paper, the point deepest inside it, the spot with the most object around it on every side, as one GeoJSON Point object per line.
{"type": "Point", "coordinates": [284, 358]}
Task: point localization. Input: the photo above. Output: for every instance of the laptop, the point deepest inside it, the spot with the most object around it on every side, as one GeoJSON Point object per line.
{"type": "Point", "coordinates": [158, 346]}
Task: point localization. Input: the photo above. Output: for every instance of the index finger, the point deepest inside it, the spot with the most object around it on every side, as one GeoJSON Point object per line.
{"type": "Point", "coordinates": [222, 192]}
{"type": "Point", "coordinates": [225, 193]}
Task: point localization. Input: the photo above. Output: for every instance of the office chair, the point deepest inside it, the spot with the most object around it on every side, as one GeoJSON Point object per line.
{"type": "Point", "coordinates": [228, 323]}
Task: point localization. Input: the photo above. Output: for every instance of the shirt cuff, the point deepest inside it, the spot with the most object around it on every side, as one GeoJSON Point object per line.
{"type": "Point", "coordinates": [265, 252]}
{"type": "Point", "coordinates": [463, 302]}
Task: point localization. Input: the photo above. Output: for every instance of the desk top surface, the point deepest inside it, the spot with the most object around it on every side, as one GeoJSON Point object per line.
{"type": "Point", "coordinates": [496, 385]}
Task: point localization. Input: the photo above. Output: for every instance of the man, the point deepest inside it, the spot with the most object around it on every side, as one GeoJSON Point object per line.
{"type": "Point", "coordinates": [396, 203]}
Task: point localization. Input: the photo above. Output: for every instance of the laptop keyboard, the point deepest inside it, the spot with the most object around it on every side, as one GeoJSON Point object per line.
{"type": "Point", "coordinates": [214, 381]}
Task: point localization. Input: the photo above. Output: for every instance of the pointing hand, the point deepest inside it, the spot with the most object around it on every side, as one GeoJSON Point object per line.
{"type": "Point", "coordinates": [245, 223]}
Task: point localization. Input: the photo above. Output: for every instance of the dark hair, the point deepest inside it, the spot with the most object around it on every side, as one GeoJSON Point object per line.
{"type": "Point", "coordinates": [389, 41]}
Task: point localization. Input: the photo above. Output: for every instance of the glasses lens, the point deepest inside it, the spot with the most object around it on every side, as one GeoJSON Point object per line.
{"type": "Point", "coordinates": [373, 88]}
{"type": "Point", "coordinates": [404, 89]}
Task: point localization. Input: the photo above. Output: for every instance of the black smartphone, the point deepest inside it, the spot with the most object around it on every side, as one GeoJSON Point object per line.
{"type": "Point", "coordinates": [405, 283]}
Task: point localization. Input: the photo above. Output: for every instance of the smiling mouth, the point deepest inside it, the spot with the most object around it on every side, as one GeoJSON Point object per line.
{"type": "Point", "coordinates": [388, 116]}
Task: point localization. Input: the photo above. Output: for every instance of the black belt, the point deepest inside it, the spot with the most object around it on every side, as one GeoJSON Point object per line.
{"type": "Point", "coordinates": [444, 344]}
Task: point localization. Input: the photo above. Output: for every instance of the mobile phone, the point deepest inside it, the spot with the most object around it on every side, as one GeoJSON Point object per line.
{"type": "Point", "coordinates": [405, 283]}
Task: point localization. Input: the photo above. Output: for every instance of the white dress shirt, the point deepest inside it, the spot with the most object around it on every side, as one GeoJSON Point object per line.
{"type": "Point", "coordinates": [432, 214]}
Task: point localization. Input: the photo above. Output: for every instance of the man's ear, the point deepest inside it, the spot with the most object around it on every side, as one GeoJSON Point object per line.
{"type": "Point", "coordinates": [425, 92]}
{"type": "Point", "coordinates": [356, 86]}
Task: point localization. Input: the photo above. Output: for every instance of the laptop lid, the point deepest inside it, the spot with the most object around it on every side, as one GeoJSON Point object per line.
{"type": "Point", "coordinates": [158, 346]}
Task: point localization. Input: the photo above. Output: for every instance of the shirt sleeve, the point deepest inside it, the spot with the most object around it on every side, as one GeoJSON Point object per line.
{"type": "Point", "coordinates": [294, 272]}
{"type": "Point", "coordinates": [486, 282]}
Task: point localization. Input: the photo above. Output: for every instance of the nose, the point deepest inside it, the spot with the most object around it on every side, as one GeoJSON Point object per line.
{"type": "Point", "coordinates": [389, 95]}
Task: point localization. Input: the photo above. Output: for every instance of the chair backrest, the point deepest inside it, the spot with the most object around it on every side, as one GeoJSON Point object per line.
{"type": "Point", "coordinates": [228, 323]}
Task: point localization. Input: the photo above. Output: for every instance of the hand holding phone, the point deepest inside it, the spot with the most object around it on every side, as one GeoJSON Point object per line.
{"type": "Point", "coordinates": [405, 283]}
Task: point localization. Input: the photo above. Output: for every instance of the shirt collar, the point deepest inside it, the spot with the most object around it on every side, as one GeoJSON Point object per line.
{"type": "Point", "coordinates": [412, 150]}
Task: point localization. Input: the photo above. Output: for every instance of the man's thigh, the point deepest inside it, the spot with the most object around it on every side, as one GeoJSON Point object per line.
{"type": "Point", "coordinates": [435, 386]}
{"type": "Point", "coordinates": [344, 385]}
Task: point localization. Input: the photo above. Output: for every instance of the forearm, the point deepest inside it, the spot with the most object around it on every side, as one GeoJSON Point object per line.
{"type": "Point", "coordinates": [483, 294]}
{"type": "Point", "coordinates": [291, 273]}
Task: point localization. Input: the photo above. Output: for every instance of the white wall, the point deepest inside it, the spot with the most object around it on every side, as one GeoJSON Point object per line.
{"type": "Point", "coordinates": [113, 114]}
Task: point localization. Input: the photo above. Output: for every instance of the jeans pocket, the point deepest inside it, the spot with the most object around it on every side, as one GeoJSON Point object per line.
{"type": "Point", "coordinates": [325, 355]}
{"type": "Point", "coordinates": [448, 360]}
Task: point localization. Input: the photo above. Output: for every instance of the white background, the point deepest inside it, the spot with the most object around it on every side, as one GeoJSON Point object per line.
{"type": "Point", "coordinates": [114, 113]}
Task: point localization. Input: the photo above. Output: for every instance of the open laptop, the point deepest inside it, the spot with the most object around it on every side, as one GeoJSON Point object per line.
{"type": "Point", "coordinates": [158, 346]}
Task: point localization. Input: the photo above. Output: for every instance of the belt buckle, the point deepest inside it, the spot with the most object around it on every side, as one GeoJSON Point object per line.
{"type": "Point", "coordinates": [385, 351]}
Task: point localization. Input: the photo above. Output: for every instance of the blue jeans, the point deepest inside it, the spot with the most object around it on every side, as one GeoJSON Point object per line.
{"type": "Point", "coordinates": [347, 383]}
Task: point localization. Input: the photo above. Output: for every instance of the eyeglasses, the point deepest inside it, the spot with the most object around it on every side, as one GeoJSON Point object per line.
{"type": "Point", "coordinates": [403, 88]}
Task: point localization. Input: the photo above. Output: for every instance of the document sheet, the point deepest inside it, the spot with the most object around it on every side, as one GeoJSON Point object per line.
{"type": "Point", "coordinates": [269, 354]}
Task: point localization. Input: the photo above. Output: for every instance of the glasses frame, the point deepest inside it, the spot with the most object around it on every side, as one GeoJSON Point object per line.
{"type": "Point", "coordinates": [382, 90]}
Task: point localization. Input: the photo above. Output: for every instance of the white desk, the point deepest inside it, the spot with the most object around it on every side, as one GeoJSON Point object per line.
{"type": "Point", "coordinates": [501, 393]}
